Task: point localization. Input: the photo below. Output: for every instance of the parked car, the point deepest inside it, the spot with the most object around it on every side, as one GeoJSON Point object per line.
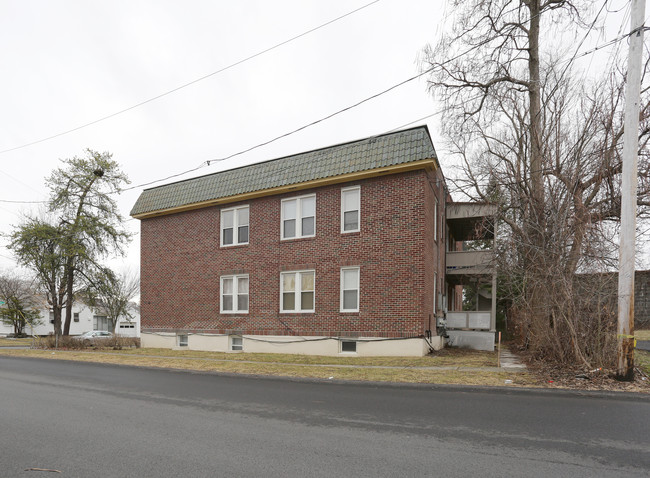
{"type": "Point", "coordinates": [94, 335]}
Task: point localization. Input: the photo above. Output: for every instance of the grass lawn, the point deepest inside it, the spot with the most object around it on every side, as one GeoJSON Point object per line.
{"type": "Point", "coordinates": [642, 334]}
{"type": "Point", "coordinates": [443, 358]}
{"type": "Point", "coordinates": [642, 360]}
{"type": "Point", "coordinates": [382, 369]}
{"type": "Point", "coordinates": [5, 342]}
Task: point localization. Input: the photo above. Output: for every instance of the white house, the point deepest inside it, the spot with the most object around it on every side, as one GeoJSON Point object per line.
{"type": "Point", "coordinates": [84, 318]}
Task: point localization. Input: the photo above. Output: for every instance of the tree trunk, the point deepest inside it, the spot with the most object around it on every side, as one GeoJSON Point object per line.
{"type": "Point", "coordinates": [534, 95]}
{"type": "Point", "coordinates": [57, 320]}
{"type": "Point", "coordinates": [70, 302]}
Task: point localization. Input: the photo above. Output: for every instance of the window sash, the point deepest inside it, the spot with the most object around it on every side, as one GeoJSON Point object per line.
{"type": "Point", "coordinates": [235, 223]}
{"type": "Point", "coordinates": [350, 286]}
{"type": "Point", "coordinates": [351, 209]}
{"type": "Point", "coordinates": [236, 343]}
{"type": "Point", "coordinates": [435, 220]}
{"type": "Point", "coordinates": [234, 294]}
{"type": "Point", "coordinates": [298, 217]}
{"type": "Point", "coordinates": [297, 291]}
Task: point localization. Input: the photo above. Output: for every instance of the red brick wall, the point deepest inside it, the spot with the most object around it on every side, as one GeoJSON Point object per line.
{"type": "Point", "coordinates": [434, 246]}
{"type": "Point", "coordinates": [182, 262]}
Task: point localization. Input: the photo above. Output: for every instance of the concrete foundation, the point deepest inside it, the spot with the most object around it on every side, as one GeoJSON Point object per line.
{"type": "Point", "coordinates": [365, 346]}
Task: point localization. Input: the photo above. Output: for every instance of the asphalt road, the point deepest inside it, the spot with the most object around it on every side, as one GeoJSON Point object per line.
{"type": "Point", "coordinates": [643, 345]}
{"type": "Point", "coordinates": [92, 420]}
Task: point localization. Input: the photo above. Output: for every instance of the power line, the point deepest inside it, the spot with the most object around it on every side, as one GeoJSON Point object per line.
{"type": "Point", "coordinates": [387, 90]}
{"type": "Point", "coordinates": [22, 202]}
{"type": "Point", "coordinates": [259, 145]}
{"type": "Point", "coordinates": [209, 75]}
{"type": "Point", "coordinates": [284, 135]}
{"type": "Point", "coordinates": [347, 108]}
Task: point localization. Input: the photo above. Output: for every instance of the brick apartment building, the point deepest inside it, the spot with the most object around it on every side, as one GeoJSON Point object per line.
{"type": "Point", "coordinates": [338, 250]}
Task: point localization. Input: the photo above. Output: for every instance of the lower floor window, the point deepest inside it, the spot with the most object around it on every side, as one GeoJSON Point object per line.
{"type": "Point", "coordinates": [349, 346]}
{"type": "Point", "coordinates": [182, 340]}
{"type": "Point", "coordinates": [236, 343]}
{"type": "Point", "coordinates": [234, 294]}
{"type": "Point", "coordinates": [297, 291]}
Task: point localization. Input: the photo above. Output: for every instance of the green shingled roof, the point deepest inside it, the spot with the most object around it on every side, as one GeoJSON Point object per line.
{"type": "Point", "coordinates": [364, 155]}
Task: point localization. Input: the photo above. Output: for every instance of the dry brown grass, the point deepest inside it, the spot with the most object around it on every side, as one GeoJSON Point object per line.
{"type": "Point", "coordinates": [642, 360]}
{"type": "Point", "coordinates": [405, 369]}
{"type": "Point", "coordinates": [446, 357]}
{"type": "Point", "coordinates": [642, 334]}
{"type": "Point", "coordinates": [5, 342]}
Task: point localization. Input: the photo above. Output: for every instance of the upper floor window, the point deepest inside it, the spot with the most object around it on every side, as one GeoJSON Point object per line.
{"type": "Point", "coordinates": [297, 291]}
{"type": "Point", "coordinates": [350, 207]}
{"type": "Point", "coordinates": [234, 294]}
{"type": "Point", "coordinates": [234, 226]}
{"type": "Point", "coordinates": [435, 220]}
{"type": "Point", "coordinates": [299, 217]}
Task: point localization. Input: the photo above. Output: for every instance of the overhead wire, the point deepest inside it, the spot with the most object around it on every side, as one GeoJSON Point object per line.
{"type": "Point", "coordinates": [207, 163]}
{"type": "Point", "coordinates": [320, 120]}
{"type": "Point", "coordinates": [284, 135]}
{"type": "Point", "coordinates": [185, 85]}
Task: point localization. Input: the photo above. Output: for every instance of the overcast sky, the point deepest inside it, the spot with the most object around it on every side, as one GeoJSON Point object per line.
{"type": "Point", "coordinates": [67, 63]}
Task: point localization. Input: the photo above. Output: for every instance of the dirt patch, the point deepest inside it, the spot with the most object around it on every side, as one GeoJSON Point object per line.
{"type": "Point", "coordinates": [580, 378]}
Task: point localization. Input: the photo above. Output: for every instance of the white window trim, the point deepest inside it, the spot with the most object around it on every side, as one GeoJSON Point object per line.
{"type": "Point", "coordinates": [235, 284]}
{"type": "Point", "coordinates": [341, 351]}
{"type": "Point", "coordinates": [231, 343]}
{"type": "Point", "coordinates": [435, 220]}
{"type": "Point", "coordinates": [344, 190]}
{"type": "Point", "coordinates": [297, 292]}
{"type": "Point", "coordinates": [435, 292]}
{"type": "Point", "coordinates": [180, 343]}
{"type": "Point", "coordinates": [299, 234]}
{"type": "Point", "coordinates": [235, 226]}
{"type": "Point", "coordinates": [358, 289]}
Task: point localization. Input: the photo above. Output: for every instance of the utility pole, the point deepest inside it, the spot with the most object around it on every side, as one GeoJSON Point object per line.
{"type": "Point", "coordinates": [625, 348]}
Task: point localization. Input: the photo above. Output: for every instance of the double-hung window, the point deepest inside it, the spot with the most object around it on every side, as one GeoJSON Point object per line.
{"type": "Point", "coordinates": [349, 289]}
{"type": "Point", "coordinates": [234, 294]}
{"type": "Point", "coordinates": [297, 291]}
{"type": "Point", "coordinates": [234, 226]}
{"type": "Point", "coordinates": [299, 217]}
{"type": "Point", "coordinates": [435, 220]}
{"type": "Point", "coordinates": [350, 209]}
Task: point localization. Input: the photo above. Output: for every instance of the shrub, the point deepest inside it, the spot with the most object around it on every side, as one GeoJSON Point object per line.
{"type": "Point", "coordinates": [117, 342]}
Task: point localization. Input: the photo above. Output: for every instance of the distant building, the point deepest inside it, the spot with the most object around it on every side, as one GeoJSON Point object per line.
{"type": "Point", "coordinates": [84, 318]}
{"type": "Point", "coordinates": [350, 249]}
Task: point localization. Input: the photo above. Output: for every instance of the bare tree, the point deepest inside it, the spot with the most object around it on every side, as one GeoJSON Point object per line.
{"type": "Point", "coordinates": [112, 294]}
{"type": "Point", "coordinates": [21, 308]}
{"type": "Point", "coordinates": [547, 149]}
